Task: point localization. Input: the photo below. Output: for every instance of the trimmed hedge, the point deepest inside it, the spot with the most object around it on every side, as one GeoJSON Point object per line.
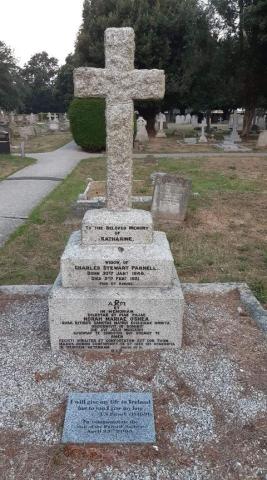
{"type": "Point", "coordinates": [87, 123]}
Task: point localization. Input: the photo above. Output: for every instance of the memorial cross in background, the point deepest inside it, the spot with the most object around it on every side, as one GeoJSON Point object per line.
{"type": "Point", "coordinates": [120, 83]}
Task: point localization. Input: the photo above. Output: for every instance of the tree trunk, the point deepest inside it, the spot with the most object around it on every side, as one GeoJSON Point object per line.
{"type": "Point", "coordinates": [248, 118]}
{"type": "Point", "coordinates": [208, 118]}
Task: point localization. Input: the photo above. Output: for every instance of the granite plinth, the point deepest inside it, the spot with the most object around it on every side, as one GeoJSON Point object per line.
{"type": "Point", "coordinates": [106, 227]}
{"type": "Point", "coordinates": [149, 265]}
{"type": "Point", "coordinates": [115, 319]}
{"type": "Point", "coordinates": [125, 417]}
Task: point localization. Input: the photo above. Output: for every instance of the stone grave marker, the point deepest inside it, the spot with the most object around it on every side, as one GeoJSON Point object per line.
{"type": "Point", "coordinates": [141, 133]}
{"type": "Point", "coordinates": [161, 118]}
{"type": "Point", "coordinates": [203, 138]}
{"type": "Point", "coordinates": [125, 417]}
{"type": "Point", "coordinates": [170, 198]}
{"type": "Point", "coordinates": [234, 136]}
{"type": "Point", "coordinates": [118, 288]}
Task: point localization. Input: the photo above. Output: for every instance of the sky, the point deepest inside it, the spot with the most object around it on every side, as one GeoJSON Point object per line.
{"type": "Point", "coordinates": [31, 26]}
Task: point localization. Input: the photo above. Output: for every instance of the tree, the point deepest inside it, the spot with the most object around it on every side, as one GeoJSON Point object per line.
{"type": "Point", "coordinates": [63, 91]}
{"type": "Point", "coordinates": [12, 89]}
{"type": "Point", "coordinates": [40, 74]}
{"type": "Point", "coordinates": [244, 24]}
{"type": "Point", "coordinates": [170, 34]}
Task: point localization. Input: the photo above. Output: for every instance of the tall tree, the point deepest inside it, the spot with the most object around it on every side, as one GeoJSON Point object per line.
{"type": "Point", "coordinates": [63, 91]}
{"type": "Point", "coordinates": [40, 74]}
{"type": "Point", "coordinates": [12, 89]}
{"type": "Point", "coordinates": [169, 34]}
{"type": "Point", "coordinates": [244, 24]}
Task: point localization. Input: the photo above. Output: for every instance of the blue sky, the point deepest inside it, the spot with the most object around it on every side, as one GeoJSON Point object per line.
{"type": "Point", "coordinates": [31, 26]}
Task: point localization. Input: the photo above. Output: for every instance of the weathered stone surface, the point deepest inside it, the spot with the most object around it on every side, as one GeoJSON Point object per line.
{"type": "Point", "coordinates": [124, 417]}
{"type": "Point", "coordinates": [120, 83]}
{"type": "Point", "coordinates": [262, 139]}
{"type": "Point", "coordinates": [115, 319]}
{"type": "Point", "coordinates": [148, 265]}
{"type": "Point", "coordinates": [141, 134]}
{"type": "Point", "coordinates": [96, 307]}
{"type": "Point", "coordinates": [170, 198]}
{"type": "Point", "coordinates": [104, 227]}
{"type": "Point", "coordinates": [119, 122]}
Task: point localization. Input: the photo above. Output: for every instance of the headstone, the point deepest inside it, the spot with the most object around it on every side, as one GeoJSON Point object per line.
{"type": "Point", "coordinates": [188, 118]}
{"type": "Point", "coordinates": [109, 418]}
{"type": "Point", "coordinates": [190, 140]}
{"type": "Point", "coordinates": [261, 122]}
{"type": "Point", "coordinates": [170, 198]}
{"type": "Point", "coordinates": [4, 139]}
{"type": "Point", "coordinates": [203, 138]}
{"type": "Point", "coordinates": [26, 131]}
{"type": "Point", "coordinates": [262, 139]}
{"type": "Point", "coordinates": [194, 120]}
{"type": "Point", "coordinates": [141, 133]}
{"type": "Point", "coordinates": [49, 116]}
{"type": "Point", "coordinates": [161, 119]}
{"type": "Point", "coordinates": [234, 136]}
{"type": "Point", "coordinates": [180, 119]}
{"type": "Point", "coordinates": [32, 119]}
{"type": "Point", "coordinates": [12, 118]}
{"type": "Point", "coordinates": [117, 289]}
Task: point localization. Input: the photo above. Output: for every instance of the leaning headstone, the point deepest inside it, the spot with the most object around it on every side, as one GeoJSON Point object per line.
{"type": "Point", "coordinates": [117, 289]}
{"type": "Point", "coordinates": [161, 119]}
{"type": "Point", "coordinates": [262, 139]}
{"type": "Point", "coordinates": [141, 131]}
{"type": "Point", "coordinates": [170, 198]}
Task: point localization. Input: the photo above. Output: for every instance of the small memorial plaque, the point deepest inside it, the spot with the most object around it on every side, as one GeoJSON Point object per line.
{"type": "Point", "coordinates": [109, 418]}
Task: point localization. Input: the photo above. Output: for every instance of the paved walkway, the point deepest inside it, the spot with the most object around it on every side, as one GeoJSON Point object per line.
{"type": "Point", "coordinates": [25, 189]}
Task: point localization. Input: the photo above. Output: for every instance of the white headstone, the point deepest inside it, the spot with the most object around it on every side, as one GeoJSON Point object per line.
{"type": "Point", "coordinates": [141, 133]}
{"type": "Point", "coordinates": [203, 138]}
{"type": "Point", "coordinates": [188, 118]}
{"type": "Point", "coordinates": [161, 117]}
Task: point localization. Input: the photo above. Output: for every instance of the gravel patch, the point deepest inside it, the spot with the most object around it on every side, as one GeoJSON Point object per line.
{"type": "Point", "coordinates": [209, 398]}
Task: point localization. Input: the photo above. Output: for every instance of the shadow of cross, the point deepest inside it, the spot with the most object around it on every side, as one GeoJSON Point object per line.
{"type": "Point", "coordinates": [120, 83]}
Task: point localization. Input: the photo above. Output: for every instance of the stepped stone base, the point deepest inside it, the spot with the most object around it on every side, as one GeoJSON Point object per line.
{"type": "Point", "coordinates": [116, 319]}
{"type": "Point", "coordinates": [149, 265]}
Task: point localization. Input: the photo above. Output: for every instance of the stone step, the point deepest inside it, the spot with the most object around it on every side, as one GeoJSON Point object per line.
{"type": "Point", "coordinates": [148, 265]}
{"type": "Point", "coordinates": [106, 227]}
{"type": "Point", "coordinates": [115, 319]}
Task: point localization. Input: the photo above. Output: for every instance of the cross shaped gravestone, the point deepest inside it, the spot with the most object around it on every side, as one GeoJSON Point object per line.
{"type": "Point", "coordinates": [120, 83]}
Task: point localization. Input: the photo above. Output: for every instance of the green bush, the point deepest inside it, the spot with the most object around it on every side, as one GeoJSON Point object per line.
{"type": "Point", "coordinates": [87, 122]}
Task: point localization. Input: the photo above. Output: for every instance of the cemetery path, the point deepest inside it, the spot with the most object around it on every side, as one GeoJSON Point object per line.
{"type": "Point", "coordinates": [25, 189]}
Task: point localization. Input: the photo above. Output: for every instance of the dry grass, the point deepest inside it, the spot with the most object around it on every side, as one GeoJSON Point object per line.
{"type": "Point", "coordinates": [46, 143]}
{"type": "Point", "coordinates": [222, 239]}
{"type": "Point", "coordinates": [10, 164]}
{"type": "Point", "coordinates": [170, 145]}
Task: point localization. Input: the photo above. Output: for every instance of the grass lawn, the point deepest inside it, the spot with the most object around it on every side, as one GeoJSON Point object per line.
{"type": "Point", "coordinates": [45, 143]}
{"type": "Point", "coordinates": [223, 238]}
{"type": "Point", "coordinates": [10, 164]}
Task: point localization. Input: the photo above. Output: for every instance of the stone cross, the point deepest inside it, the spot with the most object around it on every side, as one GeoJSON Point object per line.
{"type": "Point", "coordinates": [120, 83]}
